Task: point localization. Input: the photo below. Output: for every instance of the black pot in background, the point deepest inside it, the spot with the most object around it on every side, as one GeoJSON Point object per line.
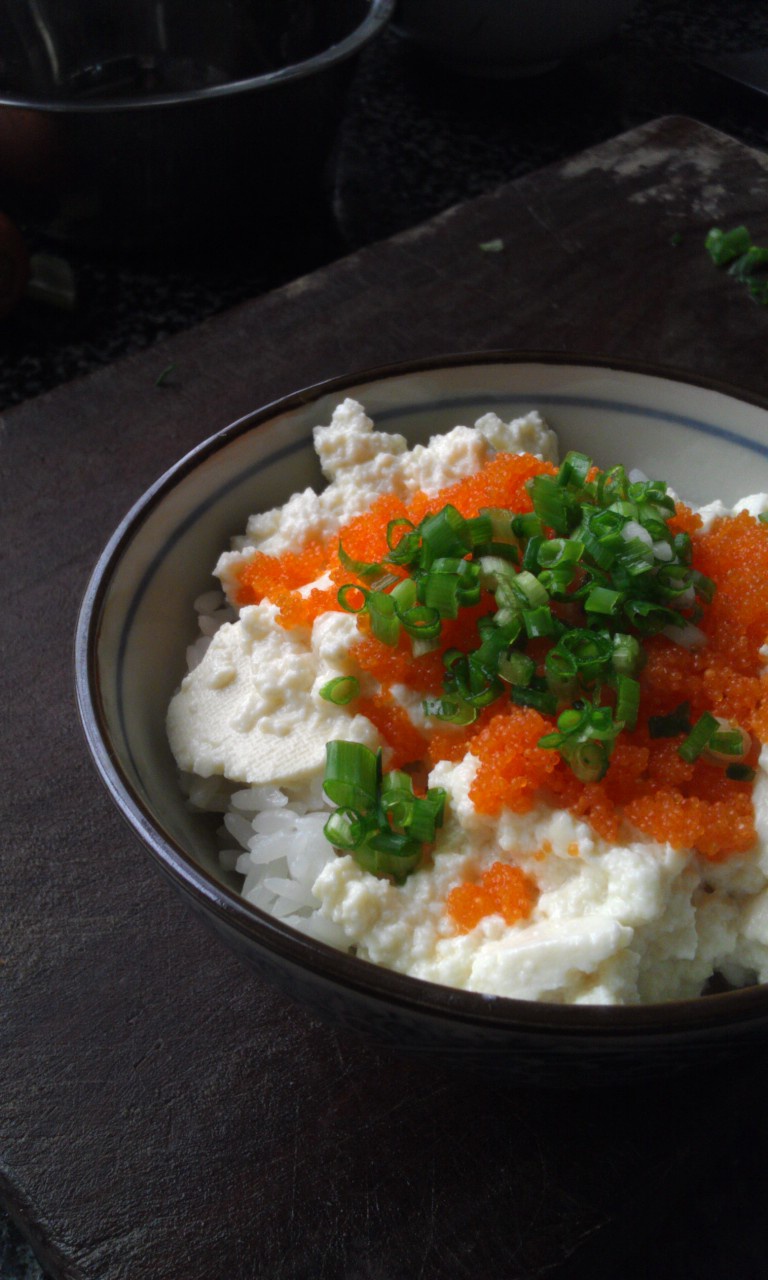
{"type": "Point", "coordinates": [160, 132]}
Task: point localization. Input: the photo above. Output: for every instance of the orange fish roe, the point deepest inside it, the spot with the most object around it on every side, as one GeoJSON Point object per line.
{"type": "Point", "coordinates": [684, 520]}
{"type": "Point", "coordinates": [298, 610]}
{"type": "Point", "coordinates": [735, 554]}
{"type": "Point", "coordinates": [500, 483]}
{"type": "Point", "coordinates": [703, 677]}
{"type": "Point", "coordinates": [503, 890]}
{"type": "Point", "coordinates": [272, 575]}
{"type": "Point", "coordinates": [452, 742]}
{"type": "Point", "coordinates": [716, 828]}
{"type": "Point", "coordinates": [396, 664]}
{"type": "Point", "coordinates": [648, 784]}
{"type": "Point", "coordinates": [760, 716]}
{"type": "Point", "coordinates": [512, 766]}
{"type": "Point", "coordinates": [365, 537]}
{"type": "Point", "coordinates": [408, 746]}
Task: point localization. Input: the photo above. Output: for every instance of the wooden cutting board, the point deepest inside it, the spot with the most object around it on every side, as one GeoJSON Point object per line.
{"type": "Point", "coordinates": [163, 1115]}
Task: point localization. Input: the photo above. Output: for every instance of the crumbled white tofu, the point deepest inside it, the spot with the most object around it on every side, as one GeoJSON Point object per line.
{"type": "Point", "coordinates": [251, 709]}
{"type": "Point", "coordinates": [362, 463]}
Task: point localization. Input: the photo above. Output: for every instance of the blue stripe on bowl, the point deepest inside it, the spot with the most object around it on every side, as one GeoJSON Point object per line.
{"type": "Point", "coordinates": [531, 400]}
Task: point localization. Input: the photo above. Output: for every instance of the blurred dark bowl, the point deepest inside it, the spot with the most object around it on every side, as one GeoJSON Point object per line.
{"type": "Point", "coordinates": [503, 39]}
{"type": "Point", "coordinates": [160, 124]}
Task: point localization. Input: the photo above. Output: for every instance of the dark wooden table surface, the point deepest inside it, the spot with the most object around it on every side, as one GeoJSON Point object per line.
{"type": "Point", "coordinates": [163, 1115]}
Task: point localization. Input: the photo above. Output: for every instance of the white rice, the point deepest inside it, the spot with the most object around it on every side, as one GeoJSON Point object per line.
{"type": "Point", "coordinates": [274, 839]}
{"type": "Point", "coordinates": [271, 836]}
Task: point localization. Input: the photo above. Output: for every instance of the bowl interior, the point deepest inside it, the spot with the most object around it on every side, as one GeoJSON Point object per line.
{"type": "Point", "coordinates": [138, 615]}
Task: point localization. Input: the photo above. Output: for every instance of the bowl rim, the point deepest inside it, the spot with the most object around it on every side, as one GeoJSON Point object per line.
{"type": "Point", "coordinates": [378, 15]}
{"type": "Point", "coordinates": [488, 1012]}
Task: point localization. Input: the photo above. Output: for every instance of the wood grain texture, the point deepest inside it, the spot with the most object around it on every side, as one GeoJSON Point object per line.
{"type": "Point", "coordinates": [163, 1114]}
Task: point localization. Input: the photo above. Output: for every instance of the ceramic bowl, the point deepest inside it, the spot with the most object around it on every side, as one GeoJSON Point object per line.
{"type": "Point", "coordinates": [501, 38]}
{"type": "Point", "coordinates": [137, 618]}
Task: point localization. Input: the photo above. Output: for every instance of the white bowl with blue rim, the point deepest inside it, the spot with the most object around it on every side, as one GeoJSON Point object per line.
{"type": "Point", "coordinates": [137, 619]}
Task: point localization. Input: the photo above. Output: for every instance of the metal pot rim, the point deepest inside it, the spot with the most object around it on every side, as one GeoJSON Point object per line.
{"type": "Point", "coordinates": [379, 13]}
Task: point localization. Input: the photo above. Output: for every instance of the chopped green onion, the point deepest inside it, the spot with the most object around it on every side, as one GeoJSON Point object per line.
{"type": "Point", "coordinates": [445, 534]}
{"type": "Point", "coordinates": [745, 266]}
{"type": "Point", "coordinates": [612, 485]}
{"type": "Point", "coordinates": [530, 562]}
{"type": "Point", "coordinates": [540, 699]}
{"type": "Point", "coordinates": [724, 247]}
{"type": "Point", "coordinates": [727, 742]}
{"type": "Point", "coordinates": [421, 622]}
{"type": "Point", "coordinates": [591, 651]}
{"type": "Point", "coordinates": [480, 530]}
{"type": "Point", "coordinates": [555, 506]}
{"type": "Point", "coordinates": [603, 551]}
{"type": "Point", "coordinates": [494, 570]}
{"type": "Point", "coordinates": [589, 761]}
{"type": "Point", "coordinates": [501, 524]}
{"type": "Point", "coordinates": [341, 690]}
{"type": "Point", "coordinates": [403, 550]}
{"type": "Point", "coordinates": [628, 655]}
{"type": "Point", "coordinates": [379, 820]}
{"type": "Point", "coordinates": [343, 597]}
{"type": "Point", "coordinates": [627, 701]}
{"type": "Point", "coordinates": [388, 856]}
{"type": "Point", "coordinates": [344, 829]}
{"type": "Point", "coordinates": [557, 581]}
{"type": "Point", "coordinates": [385, 623]}
{"type": "Point", "coordinates": [516, 668]}
{"type": "Point", "coordinates": [557, 552]}
{"type": "Point", "coordinates": [609, 522]}
{"type": "Point", "coordinates": [746, 262]}
{"type": "Point", "coordinates": [352, 774]}
{"type": "Point", "coordinates": [637, 557]}
{"type": "Point", "coordinates": [683, 547]}
{"type": "Point", "coordinates": [650, 618]}
{"type": "Point", "coordinates": [386, 581]}
{"type": "Point", "coordinates": [527, 526]}
{"type": "Point", "coordinates": [698, 738]}
{"type": "Point", "coordinates": [404, 594]}
{"type": "Point", "coordinates": [360, 568]}
{"type": "Point", "coordinates": [585, 740]}
{"type": "Point", "coordinates": [603, 600]}
{"type": "Point", "coordinates": [441, 593]}
{"type": "Point", "coordinates": [703, 586]}
{"type": "Point", "coordinates": [574, 470]}
{"type": "Point", "coordinates": [539, 622]}
{"type": "Point", "coordinates": [452, 710]}
{"type": "Point", "coordinates": [561, 673]}
{"type": "Point", "coordinates": [529, 590]}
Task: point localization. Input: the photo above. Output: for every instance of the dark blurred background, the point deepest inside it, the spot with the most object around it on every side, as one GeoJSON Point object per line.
{"type": "Point", "coordinates": [415, 139]}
